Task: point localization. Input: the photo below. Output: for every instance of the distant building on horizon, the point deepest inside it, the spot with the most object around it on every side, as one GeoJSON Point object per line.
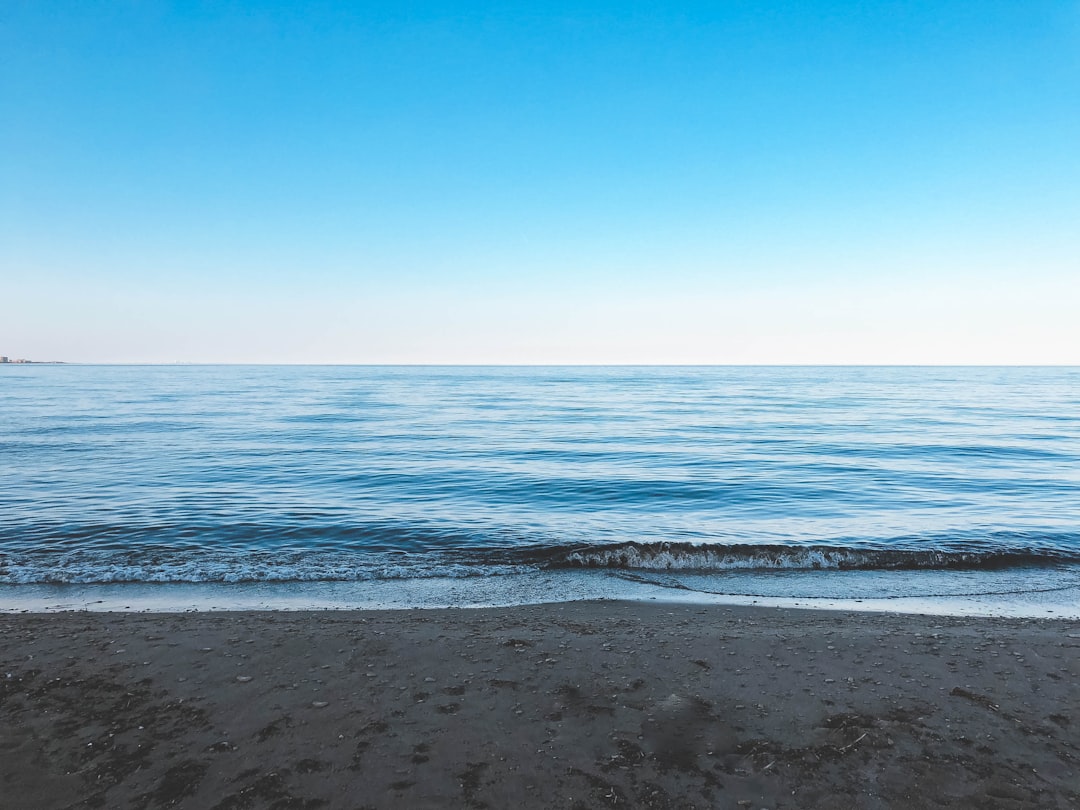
{"type": "Point", "coordinates": [4, 359]}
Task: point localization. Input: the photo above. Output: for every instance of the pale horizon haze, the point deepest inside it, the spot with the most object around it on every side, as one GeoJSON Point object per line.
{"type": "Point", "coordinates": [586, 183]}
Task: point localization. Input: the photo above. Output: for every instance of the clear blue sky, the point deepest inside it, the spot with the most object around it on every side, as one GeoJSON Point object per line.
{"type": "Point", "coordinates": [725, 182]}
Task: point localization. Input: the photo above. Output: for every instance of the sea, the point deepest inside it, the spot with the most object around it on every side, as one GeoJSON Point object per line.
{"type": "Point", "coordinates": [926, 489]}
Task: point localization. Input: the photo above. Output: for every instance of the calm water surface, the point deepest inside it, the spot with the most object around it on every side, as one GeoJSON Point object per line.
{"type": "Point", "coordinates": [320, 474]}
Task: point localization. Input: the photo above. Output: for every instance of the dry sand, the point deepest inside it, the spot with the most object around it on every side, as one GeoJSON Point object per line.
{"type": "Point", "coordinates": [579, 705]}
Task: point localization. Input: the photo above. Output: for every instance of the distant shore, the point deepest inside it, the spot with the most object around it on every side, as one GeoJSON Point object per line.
{"type": "Point", "coordinates": [576, 705]}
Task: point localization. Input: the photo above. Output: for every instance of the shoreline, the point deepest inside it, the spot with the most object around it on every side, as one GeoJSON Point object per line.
{"type": "Point", "coordinates": [573, 704]}
{"type": "Point", "coordinates": [1016, 593]}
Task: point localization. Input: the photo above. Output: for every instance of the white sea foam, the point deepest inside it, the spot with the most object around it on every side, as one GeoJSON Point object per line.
{"type": "Point", "coordinates": [234, 569]}
{"type": "Point", "coordinates": [704, 558]}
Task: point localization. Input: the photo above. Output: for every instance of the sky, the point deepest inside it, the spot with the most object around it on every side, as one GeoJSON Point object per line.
{"type": "Point", "coordinates": [609, 182]}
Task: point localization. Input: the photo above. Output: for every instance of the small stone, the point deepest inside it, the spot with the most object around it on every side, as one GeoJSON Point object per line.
{"type": "Point", "coordinates": [319, 704]}
{"type": "Point", "coordinates": [243, 678]}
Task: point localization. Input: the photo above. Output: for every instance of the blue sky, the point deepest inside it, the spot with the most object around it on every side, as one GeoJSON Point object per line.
{"type": "Point", "coordinates": [737, 182]}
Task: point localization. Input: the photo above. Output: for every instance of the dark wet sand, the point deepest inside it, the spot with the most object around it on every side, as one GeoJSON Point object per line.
{"type": "Point", "coordinates": [576, 705]}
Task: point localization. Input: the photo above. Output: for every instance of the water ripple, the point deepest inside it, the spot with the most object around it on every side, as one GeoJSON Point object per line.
{"type": "Point", "coordinates": [334, 472]}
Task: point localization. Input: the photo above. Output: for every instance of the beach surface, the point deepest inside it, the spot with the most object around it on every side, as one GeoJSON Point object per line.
{"type": "Point", "coordinates": [572, 705]}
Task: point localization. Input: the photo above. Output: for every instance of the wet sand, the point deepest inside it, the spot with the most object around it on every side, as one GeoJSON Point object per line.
{"type": "Point", "coordinates": [577, 705]}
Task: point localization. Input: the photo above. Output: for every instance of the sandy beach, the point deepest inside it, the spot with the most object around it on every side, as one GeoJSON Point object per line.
{"type": "Point", "coordinates": [576, 705]}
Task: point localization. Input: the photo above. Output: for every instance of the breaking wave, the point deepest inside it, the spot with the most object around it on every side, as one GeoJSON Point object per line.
{"type": "Point", "coordinates": [236, 566]}
{"type": "Point", "coordinates": [692, 557]}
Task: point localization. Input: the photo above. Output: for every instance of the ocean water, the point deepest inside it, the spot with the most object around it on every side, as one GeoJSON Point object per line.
{"type": "Point", "coordinates": [553, 482]}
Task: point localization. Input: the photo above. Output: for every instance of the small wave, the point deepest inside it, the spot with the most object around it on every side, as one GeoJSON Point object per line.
{"type": "Point", "coordinates": [693, 557]}
{"type": "Point", "coordinates": [186, 563]}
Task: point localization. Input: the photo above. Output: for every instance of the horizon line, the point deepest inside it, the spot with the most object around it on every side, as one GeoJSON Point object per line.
{"type": "Point", "coordinates": [538, 365]}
